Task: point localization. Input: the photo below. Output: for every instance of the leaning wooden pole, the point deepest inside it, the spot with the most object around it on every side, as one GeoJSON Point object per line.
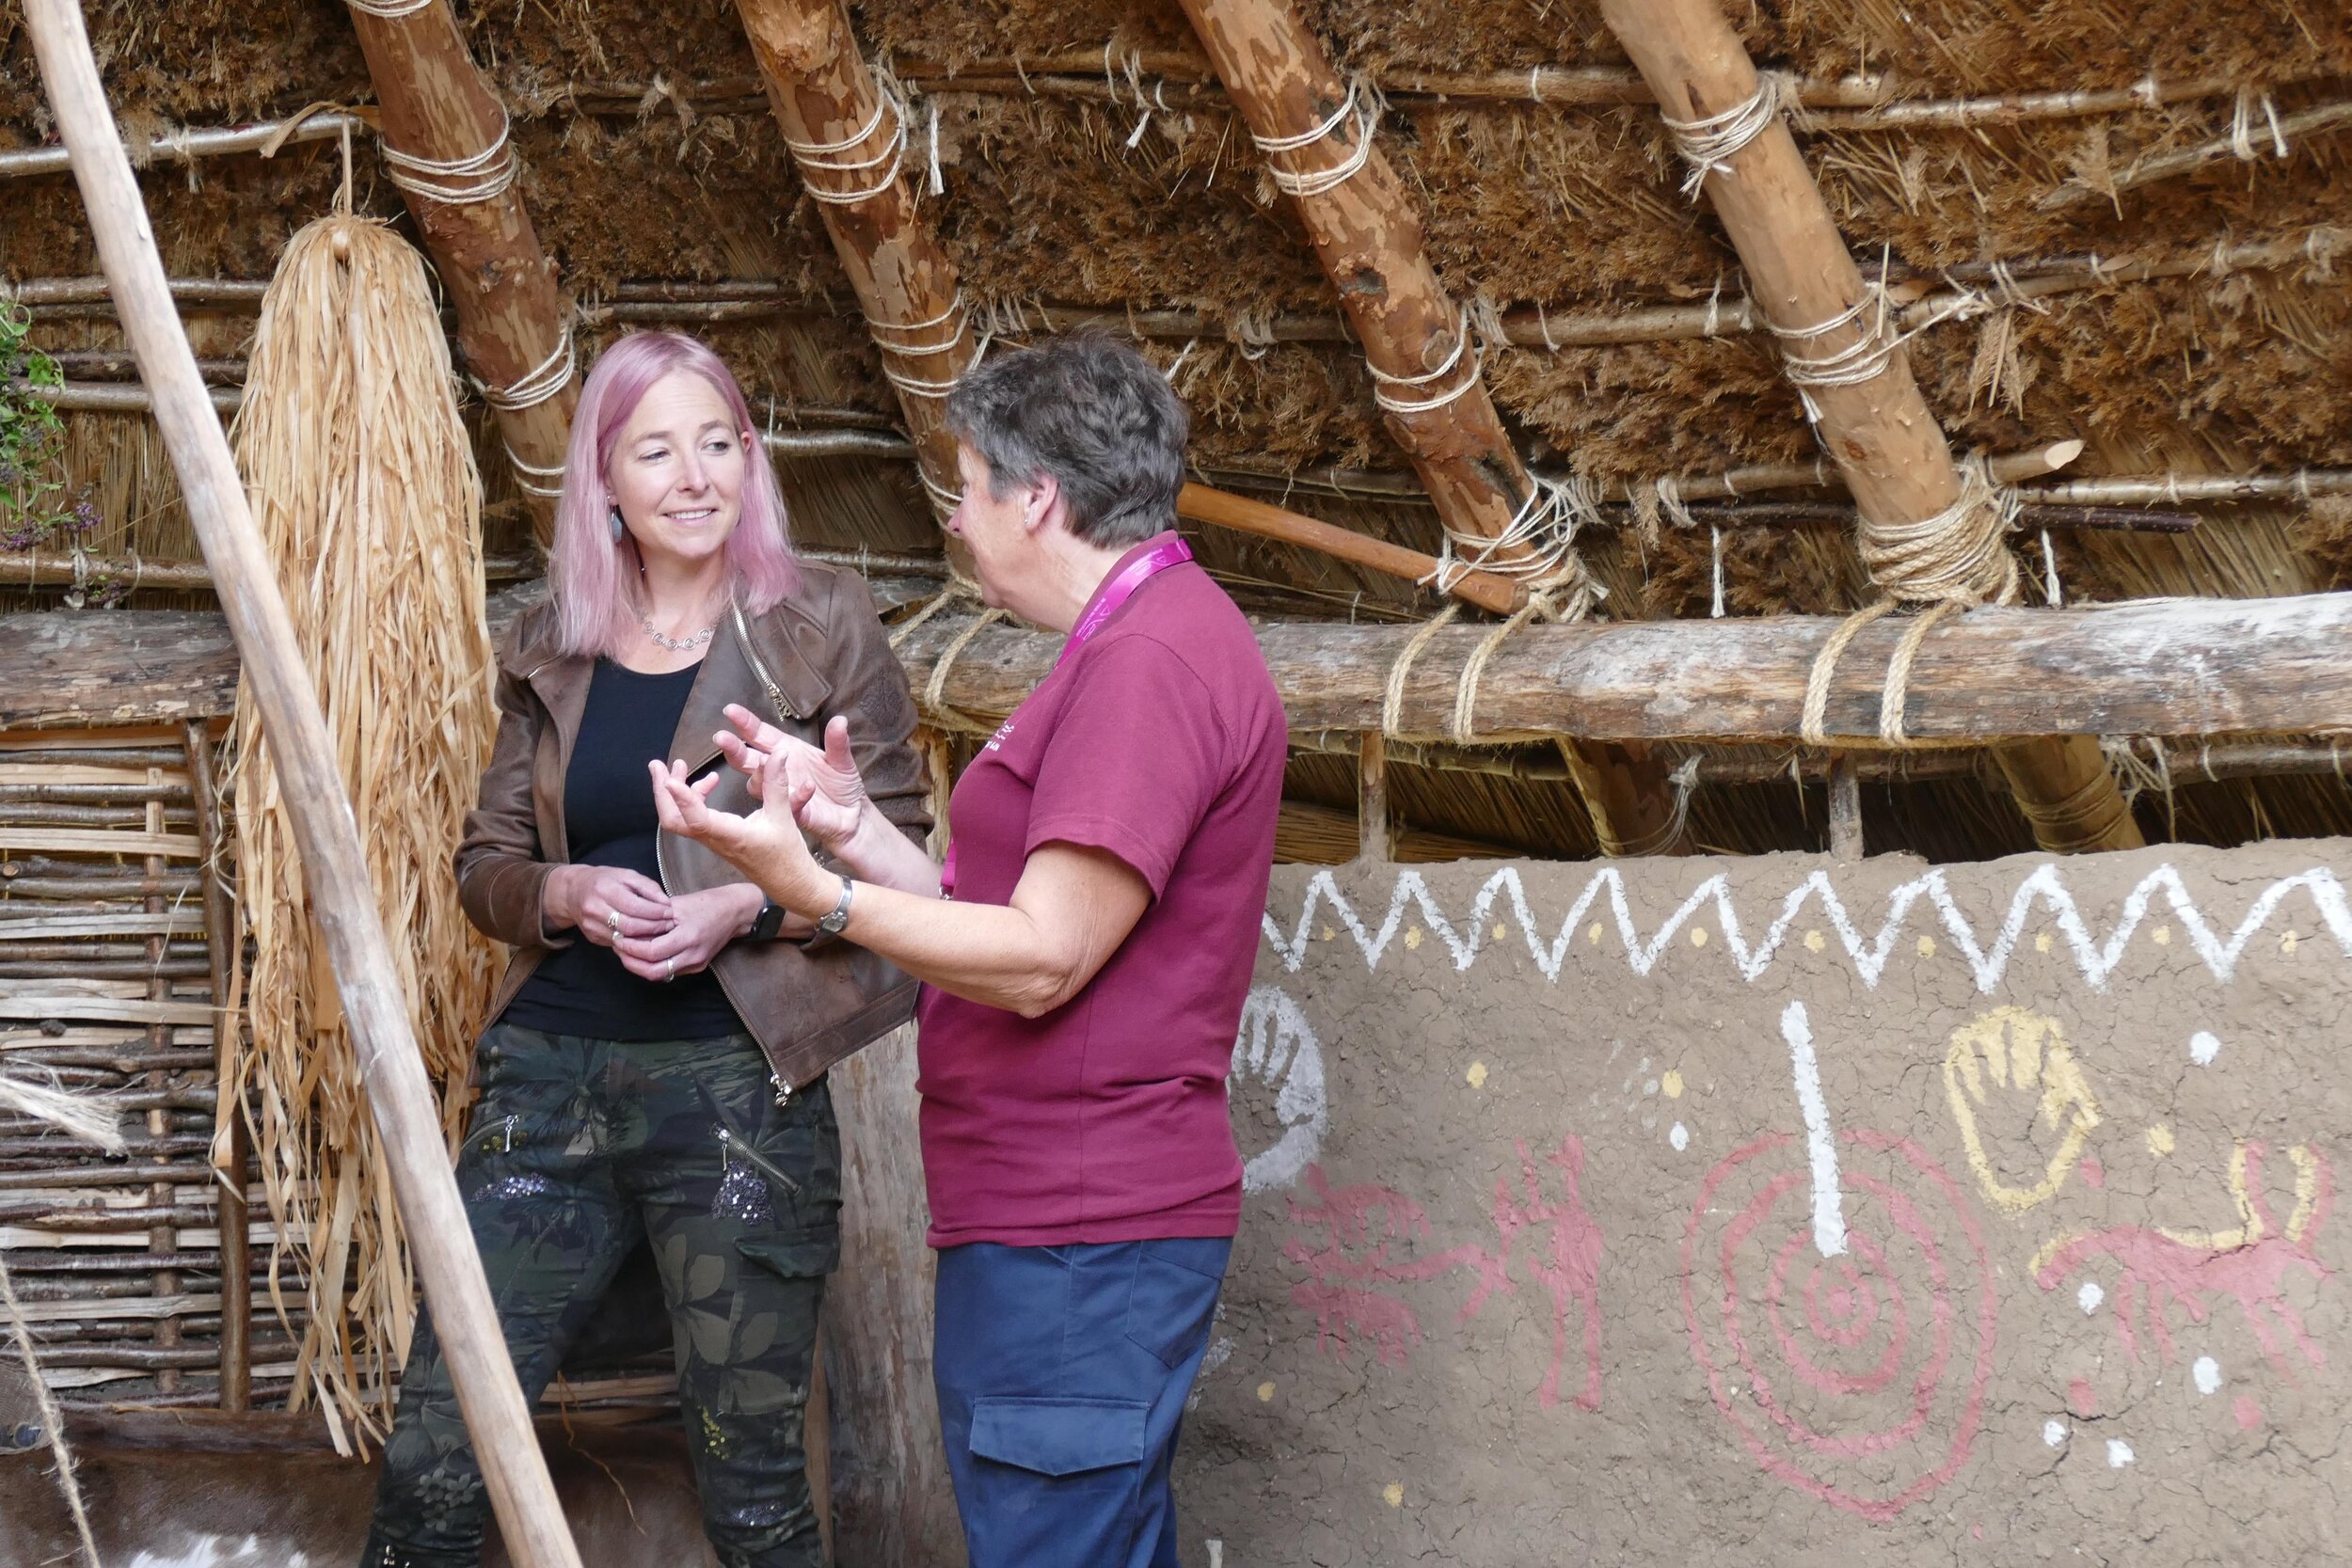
{"type": "Point", "coordinates": [406, 1116]}
{"type": "Point", "coordinates": [850, 139]}
{"type": "Point", "coordinates": [1317, 134]}
{"type": "Point", "coordinates": [448, 148]}
{"type": "Point", "coordinates": [1928, 534]}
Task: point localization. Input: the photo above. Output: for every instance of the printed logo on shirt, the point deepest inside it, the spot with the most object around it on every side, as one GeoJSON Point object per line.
{"type": "Point", "coordinates": [996, 741]}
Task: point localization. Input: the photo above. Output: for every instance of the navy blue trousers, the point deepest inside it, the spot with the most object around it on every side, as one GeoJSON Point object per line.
{"type": "Point", "coordinates": [1062, 1376]}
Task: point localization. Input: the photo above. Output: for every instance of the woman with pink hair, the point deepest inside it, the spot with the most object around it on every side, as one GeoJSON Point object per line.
{"type": "Point", "coordinates": [654, 1069]}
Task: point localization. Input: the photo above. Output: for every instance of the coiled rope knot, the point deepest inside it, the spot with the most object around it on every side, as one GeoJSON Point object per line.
{"type": "Point", "coordinates": [1956, 559]}
{"type": "Point", "coordinates": [1709, 144]}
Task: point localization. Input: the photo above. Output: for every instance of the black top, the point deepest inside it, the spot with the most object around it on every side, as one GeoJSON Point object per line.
{"type": "Point", "coordinates": [609, 817]}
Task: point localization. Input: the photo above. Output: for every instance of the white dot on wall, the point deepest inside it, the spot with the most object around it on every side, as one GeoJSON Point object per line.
{"type": "Point", "coordinates": [1680, 1136]}
{"type": "Point", "coordinates": [2118, 1453]}
{"type": "Point", "coordinates": [2204, 1048]}
{"type": "Point", "coordinates": [2090, 1297]}
{"type": "Point", "coordinates": [2208, 1375]}
{"type": "Point", "coordinates": [2054, 1433]}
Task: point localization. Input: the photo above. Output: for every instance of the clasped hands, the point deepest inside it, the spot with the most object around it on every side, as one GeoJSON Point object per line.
{"type": "Point", "coordinates": [805, 794]}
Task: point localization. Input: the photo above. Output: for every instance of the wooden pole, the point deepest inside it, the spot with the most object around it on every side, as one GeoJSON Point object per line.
{"type": "Point", "coordinates": [851, 143]}
{"type": "Point", "coordinates": [2173, 666]}
{"type": "Point", "coordinates": [438, 108]}
{"type": "Point", "coordinates": [1844, 807]}
{"type": "Point", "coordinates": [1877, 427]}
{"type": "Point", "coordinates": [230, 1142]}
{"type": "Point", "coordinates": [1373, 841]}
{"type": "Point", "coordinates": [1204, 505]}
{"type": "Point", "coordinates": [1367, 233]}
{"type": "Point", "coordinates": [335, 870]}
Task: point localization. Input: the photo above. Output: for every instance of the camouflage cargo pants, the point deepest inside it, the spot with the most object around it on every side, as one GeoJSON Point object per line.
{"type": "Point", "coordinates": [578, 1148]}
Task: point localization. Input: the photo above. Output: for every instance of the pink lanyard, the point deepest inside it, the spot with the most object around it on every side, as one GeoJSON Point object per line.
{"type": "Point", "coordinates": [1158, 559]}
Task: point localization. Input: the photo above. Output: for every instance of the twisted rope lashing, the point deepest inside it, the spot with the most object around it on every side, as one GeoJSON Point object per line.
{"type": "Point", "coordinates": [825, 157]}
{"type": "Point", "coordinates": [1708, 143]}
{"type": "Point", "coordinates": [390, 10]}
{"type": "Point", "coordinates": [1395, 403]}
{"type": "Point", "coordinates": [456, 182]}
{"type": "Point", "coordinates": [1355, 106]}
{"type": "Point", "coordinates": [538, 385]}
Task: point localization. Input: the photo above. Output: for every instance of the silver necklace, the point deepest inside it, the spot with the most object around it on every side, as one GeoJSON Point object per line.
{"type": "Point", "coordinates": [676, 644]}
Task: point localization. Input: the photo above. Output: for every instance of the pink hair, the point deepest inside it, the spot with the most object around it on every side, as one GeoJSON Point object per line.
{"type": "Point", "coordinates": [594, 579]}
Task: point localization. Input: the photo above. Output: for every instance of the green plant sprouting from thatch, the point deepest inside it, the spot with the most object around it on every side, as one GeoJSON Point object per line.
{"type": "Point", "coordinates": [38, 510]}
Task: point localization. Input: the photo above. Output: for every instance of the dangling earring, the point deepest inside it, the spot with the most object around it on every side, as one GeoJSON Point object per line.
{"type": "Point", "coordinates": [619, 528]}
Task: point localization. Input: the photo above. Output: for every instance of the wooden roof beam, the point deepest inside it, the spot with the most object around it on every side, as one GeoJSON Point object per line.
{"type": "Point", "coordinates": [1319, 135]}
{"type": "Point", "coordinates": [446, 146]}
{"type": "Point", "coordinates": [849, 141]}
{"type": "Point", "coordinates": [1869, 411]}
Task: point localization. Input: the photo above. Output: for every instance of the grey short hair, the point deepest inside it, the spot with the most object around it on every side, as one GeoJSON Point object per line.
{"type": "Point", "coordinates": [1089, 411]}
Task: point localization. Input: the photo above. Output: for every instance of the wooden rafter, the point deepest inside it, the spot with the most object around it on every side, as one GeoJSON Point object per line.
{"type": "Point", "coordinates": [1874, 423]}
{"type": "Point", "coordinates": [1320, 137]}
{"type": "Point", "coordinates": [850, 139]}
{"type": "Point", "coordinates": [447, 146]}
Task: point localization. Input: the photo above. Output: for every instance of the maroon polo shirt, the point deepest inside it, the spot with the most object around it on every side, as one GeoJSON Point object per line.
{"type": "Point", "coordinates": [1160, 740]}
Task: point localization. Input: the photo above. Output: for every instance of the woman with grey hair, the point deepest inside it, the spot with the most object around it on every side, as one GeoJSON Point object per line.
{"type": "Point", "coordinates": [1086, 952]}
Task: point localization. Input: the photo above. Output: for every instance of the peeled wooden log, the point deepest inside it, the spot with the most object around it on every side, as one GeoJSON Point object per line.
{"type": "Point", "coordinates": [446, 146]}
{"type": "Point", "coordinates": [2173, 666]}
{"type": "Point", "coordinates": [1482, 589]}
{"type": "Point", "coordinates": [1876, 424]}
{"type": "Point", "coordinates": [1320, 139]}
{"type": "Point", "coordinates": [849, 141]}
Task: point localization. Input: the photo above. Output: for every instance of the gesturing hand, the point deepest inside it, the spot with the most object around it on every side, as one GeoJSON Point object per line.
{"type": "Point", "coordinates": [823, 788]}
{"type": "Point", "coordinates": [766, 845]}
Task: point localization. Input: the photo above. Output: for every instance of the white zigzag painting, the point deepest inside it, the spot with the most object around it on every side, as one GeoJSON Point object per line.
{"type": "Point", "coordinates": [2045, 886]}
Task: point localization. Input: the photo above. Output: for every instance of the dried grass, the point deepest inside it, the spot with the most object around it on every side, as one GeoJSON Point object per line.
{"type": "Point", "coordinates": [365, 487]}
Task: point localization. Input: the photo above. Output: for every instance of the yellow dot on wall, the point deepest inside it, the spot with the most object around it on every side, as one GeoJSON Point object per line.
{"type": "Point", "coordinates": [1477, 1075]}
{"type": "Point", "coordinates": [2041, 942]}
{"type": "Point", "coordinates": [2159, 1140]}
{"type": "Point", "coordinates": [2287, 944]}
{"type": "Point", "coordinates": [1591, 933]}
{"type": "Point", "coordinates": [1812, 942]}
{"type": "Point", "coordinates": [1500, 930]}
{"type": "Point", "coordinates": [1412, 937]}
{"type": "Point", "coordinates": [2161, 936]}
{"type": "Point", "coordinates": [1927, 947]}
{"type": "Point", "coordinates": [1698, 936]}
{"type": "Point", "coordinates": [1671, 1084]}
{"type": "Point", "coordinates": [1265, 1393]}
{"type": "Point", "coordinates": [1328, 933]}
{"type": "Point", "coordinates": [1393, 1494]}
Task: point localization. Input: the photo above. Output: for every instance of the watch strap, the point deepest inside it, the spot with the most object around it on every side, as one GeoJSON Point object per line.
{"type": "Point", "coordinates": [832, 923]}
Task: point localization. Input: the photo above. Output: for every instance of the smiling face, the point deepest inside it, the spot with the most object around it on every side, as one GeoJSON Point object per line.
{"type": "Point", "coordinates": [677, 469]}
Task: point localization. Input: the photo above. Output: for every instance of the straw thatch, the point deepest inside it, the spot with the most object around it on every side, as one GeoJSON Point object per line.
{"type": "Point", "coordinates": [651, 158]}
{"type": "Point", "coordinates": [364, 489]}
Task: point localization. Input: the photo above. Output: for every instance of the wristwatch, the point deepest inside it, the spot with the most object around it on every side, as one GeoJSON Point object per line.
{"type": "Point", "coordinates": [832, 923]}
{"type": "Point", "coordinates": [768, 921]}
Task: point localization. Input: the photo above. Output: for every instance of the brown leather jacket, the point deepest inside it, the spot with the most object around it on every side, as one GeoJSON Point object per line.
{"type": "Point", "coordinates": [822, 652]}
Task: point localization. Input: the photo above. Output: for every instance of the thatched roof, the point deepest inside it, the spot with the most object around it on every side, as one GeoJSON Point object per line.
{"type": "Point", "coordinates": [1090, 163]}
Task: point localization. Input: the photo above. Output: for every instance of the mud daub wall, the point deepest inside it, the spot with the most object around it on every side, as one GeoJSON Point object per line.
{"type": "Point", "coordinates": [1778, 1211]}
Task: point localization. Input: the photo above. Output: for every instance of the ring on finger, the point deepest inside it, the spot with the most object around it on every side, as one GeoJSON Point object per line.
{"type": "Point", "coordinates": [672, 973]}
{"type": "Point", "coordinates": [612, 921]}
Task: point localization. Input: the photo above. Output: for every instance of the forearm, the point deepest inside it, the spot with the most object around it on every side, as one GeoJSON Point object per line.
{"type": "Point", "coordinates": [993, 954]}
{"type": "Point", "coordinates": [880, 852]}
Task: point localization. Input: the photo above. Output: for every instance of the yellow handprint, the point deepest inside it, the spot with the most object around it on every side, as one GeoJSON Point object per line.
{"type": "Point", "coordinates": [2021, 1051]}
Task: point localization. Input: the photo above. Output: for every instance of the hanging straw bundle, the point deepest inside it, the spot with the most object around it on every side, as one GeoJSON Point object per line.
{"type": "Point", "coordinates": [363, 486]}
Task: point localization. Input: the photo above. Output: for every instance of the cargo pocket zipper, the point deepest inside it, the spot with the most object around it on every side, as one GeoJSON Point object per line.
{"type": "Point", "coordinates": [730, 1146]}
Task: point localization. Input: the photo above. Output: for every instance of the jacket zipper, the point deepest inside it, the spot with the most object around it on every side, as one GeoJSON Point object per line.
{"type": "Point", "coordinates": [751, 656]}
